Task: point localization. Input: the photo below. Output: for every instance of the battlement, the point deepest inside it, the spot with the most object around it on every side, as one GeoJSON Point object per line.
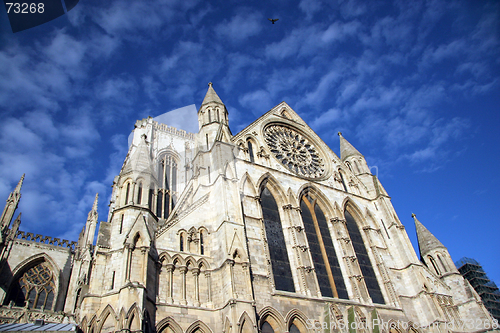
{"type": "Point", "coordinates": [29, 236]}
{"type": "Point", "coordinates": [173, 130]}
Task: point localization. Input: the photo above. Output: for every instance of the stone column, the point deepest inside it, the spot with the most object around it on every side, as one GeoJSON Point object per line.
{"type": "Point", "coordinates": [134, 184]}
{"type": "Point", "coordinates": [170, 283]}
{"type": "Point", "coordinates": [209, 287]}
{"type": "Point", "coordinates": [128, 250]}
{"type": "Point", "coordinates": [144, 253]}
{"type": "Point", "coordinates": [183, 271]}
{"type": "Point", "coordinates": [196, 273]}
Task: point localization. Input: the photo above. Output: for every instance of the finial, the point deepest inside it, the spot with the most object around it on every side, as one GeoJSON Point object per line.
{"type": "Point", "coordinates": [209, 84]}
{"type": "Point", "coordinates": [413, 215]}
{"type": "Point", "coordinates": [94, 206]}
{"type": "Point", "coordinates": [339, 133]}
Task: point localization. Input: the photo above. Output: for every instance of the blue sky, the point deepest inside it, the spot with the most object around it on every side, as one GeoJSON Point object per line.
{"type": "Point", "coordinates": [414, 85]}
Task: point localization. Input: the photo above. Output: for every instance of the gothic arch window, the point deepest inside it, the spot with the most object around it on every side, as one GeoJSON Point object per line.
{"type": "Point", "coordinates": [35, 286]}
{"type": "Point", "coordinates": [356, 167]}
{"type": "Point", "coordinates": [276, 241]}
{"type": "Point", "coordinates": [182, 242]}
{"type": "Point", "coordinates": [218, 117]}
{"type": "Point", "coordinates": [324, 257]}
{"type": "Point", "coordinates": [434, 265]}
{"type": "Point", "coordinates": [167, 193]}
{"type": "Point", "coordinates": [250, 150]}
{"type": "Point", "coordinates": [209, 115]}
{"type": "Point", "coordinates": [363, 259]}
{"type": "Point", "coordinates": [202, 242]}
{"type": "Point", "coordinates": [293, 329]}
{"type": "Point", "coordinates": [127, 193]}
{"type": "Point", "coordinates": [139, 193]}
{"type": "Point", "coordinates": [349, 166]}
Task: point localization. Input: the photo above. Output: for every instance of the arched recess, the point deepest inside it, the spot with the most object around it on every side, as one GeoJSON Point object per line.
{"type": "Point", "coordinates": [247, 186]}
{"type": "Point", "coordinates": [92, 326]}
{"type": "Point", "coordinates": [168, 325]}
{"type": "Point", "coordinates": [229, 171]}
{"type": "Point", "coordinates": [36, 280]}
{"type": "Point", "coordinates": [227, 325]}
{"type": "Point", "coordinates": [273, 318]}
{"type": "Point", "coordinates": [272, 217]}
{"type": "Point", "coordinates": [246, 324]}
{"type": "Point", "coordinates": [83, 324]}
{"type": "Point", "coordinates": [133, 322]}
{"type": "Point", "coordinates": [316, 212]}
{"type": "Point", "coordinates": [108, 321]}
{"type": "Point", "coordinates": [354, 219]}
{"type": "Point", "coordinates": [198, 327]}
{"type": "Point", "coordinates": [298, 319]}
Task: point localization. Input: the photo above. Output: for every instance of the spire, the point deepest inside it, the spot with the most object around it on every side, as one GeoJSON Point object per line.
{"type": "Point", "coordinates": [11, 206]}
{"type": "Point", "coordinates": [211, 96]}
{"type": "Point", "coordinates": [426, 240]}
{"type": "Point", "coordinates": [346, 149]}
{"type": "Point", "coordinates": [20, 184]}
{"type": "Point", "coordinates": [94, 206]}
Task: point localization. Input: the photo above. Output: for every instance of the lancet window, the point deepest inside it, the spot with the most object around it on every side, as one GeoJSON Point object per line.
{"type": "Point", "coordinates": [326, 264]}
{"type": "Point", "coordinates": [35, 288]}
{"type": "Point", "coordinates": [276, 242]}
{"type": "Point", "coordinates": [363, 259]}
{"type": "Point", "coordinates": [434, 265]}
{"type": "Point", "coordinates": [167, 192]}
{"type": "Point", "coordinates": [250, 151]}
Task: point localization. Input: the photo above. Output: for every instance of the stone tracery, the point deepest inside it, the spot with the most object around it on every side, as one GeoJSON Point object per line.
{"type": "Point", "coordinates": [294, 151]}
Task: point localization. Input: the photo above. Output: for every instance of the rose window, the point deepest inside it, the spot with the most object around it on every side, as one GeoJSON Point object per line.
{"type": "Point", "coordinates": [294, 151]}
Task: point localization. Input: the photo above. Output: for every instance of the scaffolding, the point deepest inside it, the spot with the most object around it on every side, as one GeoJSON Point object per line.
{"type": "Point", "coordinates": [487, 290]}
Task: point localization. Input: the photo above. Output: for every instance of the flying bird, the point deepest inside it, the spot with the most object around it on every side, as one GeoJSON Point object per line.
{"type": "Point", "coordinates": [273, 20]}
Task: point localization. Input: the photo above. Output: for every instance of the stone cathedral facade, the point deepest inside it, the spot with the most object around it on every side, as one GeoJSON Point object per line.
{"type": "Point", "coordinates": [267, 230]}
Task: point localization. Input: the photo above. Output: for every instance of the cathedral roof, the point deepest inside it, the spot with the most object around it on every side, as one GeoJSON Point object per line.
{"type": "Point", "coordinates": [346, 149]}
{"type": "Point", "coordinates": [211, 96]}
{"type": "Point", "coordinates": [426, 240]}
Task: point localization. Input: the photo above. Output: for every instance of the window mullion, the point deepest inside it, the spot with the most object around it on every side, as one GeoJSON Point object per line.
{"type": "Point", "coordinates": [322, 247]}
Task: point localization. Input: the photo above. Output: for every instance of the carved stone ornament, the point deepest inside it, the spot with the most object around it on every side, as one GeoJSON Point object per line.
{"type": "Point", "coordinates": [294, 151]}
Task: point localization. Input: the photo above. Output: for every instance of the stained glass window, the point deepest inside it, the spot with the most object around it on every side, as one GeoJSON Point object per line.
{"type": "Point", "coordinates": [168, 186]}
{"type": "Point", "coordinates": [35, 286]}
{"type": "Point", "coordinates": [330, 279]}
{"type": "Point", "coordinates": [363, 259]}
{"type": "Point", "coordinates": [276, 242]}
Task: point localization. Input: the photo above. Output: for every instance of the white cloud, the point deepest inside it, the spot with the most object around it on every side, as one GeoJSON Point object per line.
{"type": "Point", "coordinates": [256, 101]}
{"type": "Point", "coordinates": [338, 31]}
{"type": "Point", "coordinates": [310, 7]}
{"type": "Point", "coordinates": [240, 27]}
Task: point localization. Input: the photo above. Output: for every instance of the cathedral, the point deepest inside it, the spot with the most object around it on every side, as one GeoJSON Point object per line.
{"type": "Point", "coordinates": [266, 230]}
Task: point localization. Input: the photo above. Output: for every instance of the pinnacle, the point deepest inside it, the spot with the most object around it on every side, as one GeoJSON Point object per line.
{"type": "Point", "coordinates": [20, 184]}
{"type": "Point", "coordinates": [94, 206]}
{"type": "Point", "coordinates": [211, 96]}
{"type": "Point", "coordinates": [346, 149]}
{"type": "Point", "coordinates": [426, 240]}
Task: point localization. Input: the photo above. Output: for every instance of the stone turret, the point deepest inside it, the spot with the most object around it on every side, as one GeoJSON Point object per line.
{"type": "Point", "coordinates": [432, 252]}
{"type": "Point", "coordinates": [212, 120]}
{"type": "Point", "coordinates": [352, 157]}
